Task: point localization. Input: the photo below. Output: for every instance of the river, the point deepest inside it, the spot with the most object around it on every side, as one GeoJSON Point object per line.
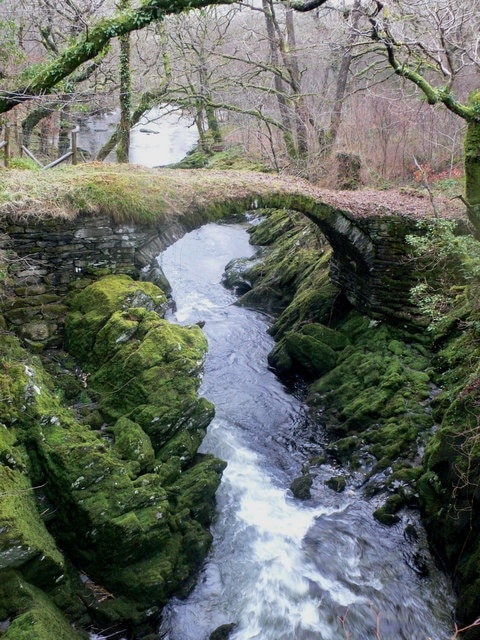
{"type": "Point", "coordinates": [161, 137]}
{"type": "Point", "coordinates": [280, 568]}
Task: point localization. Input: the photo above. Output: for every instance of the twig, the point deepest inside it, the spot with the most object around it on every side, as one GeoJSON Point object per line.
{"type": "Point", "coordinates": [476, 623]}
{"type": "Point", "coordinates": [10, 493]}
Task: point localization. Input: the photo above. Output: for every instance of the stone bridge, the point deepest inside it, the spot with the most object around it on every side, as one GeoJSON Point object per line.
{"type": "Point", "coordinates": [366, 230]}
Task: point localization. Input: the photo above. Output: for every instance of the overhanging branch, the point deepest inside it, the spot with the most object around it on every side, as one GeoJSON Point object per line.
{"type": "Point", "coordinates": [93, 42]}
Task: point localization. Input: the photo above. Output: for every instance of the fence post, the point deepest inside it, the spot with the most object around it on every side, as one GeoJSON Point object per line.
{"type": "Point", "coordinates": [6, 150]}
{"type": "Point", "coordinates": [74, 145]}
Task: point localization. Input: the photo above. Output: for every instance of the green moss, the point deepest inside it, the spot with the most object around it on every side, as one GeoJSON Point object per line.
{"type": "Point", "coordinates": [108, 508]}
{"type": "Point", "coordinates": [334, 339]}
{"type": "Point", "coordinates": [336, 483]}
{"type": "Point", "coordinates": [472, 163]}
{"type": "Point", "coordinates": [309, 354]}
{"type": "Point", "coordinates": [387, 514]}
{"type": "Point", "coordinates": [280, 359]}
{"type": "Point", "coordinates": [23, 536]}
{"type": "Point", "coordinates": [114, 292]}
{"type": "Point", "coordinates": [34, 617]}
{"type": "Point", "coordinates": [233, 157]}
{"type": "Point", "coordinates": [343, 448]}
{"type": "Point", "coordinates": [377, 391]}
{"type": "Point", "coordinates": [196, 487]}
{"type": "Point", "coordinates": [143, 364]}
{"type": "Point", "coordinates": [287, 278]}
{"type": "Point", "coordinates": [132, 443]}
{"type": "Point", "coordinates": [138, 522]}
{"type": "Point", "coordinates": [300, 487]}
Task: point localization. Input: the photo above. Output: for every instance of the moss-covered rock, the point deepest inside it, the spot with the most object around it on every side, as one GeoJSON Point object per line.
{"type": "Point", "coordinates": [336, 483]}
{"type": "Point", "coordinates": [130, 503]}
{"type": "Point", "coordinates": [150, 490]}
{"type": "Point", "coordinates": [309, 354]}
{"type": "Point", "coordinates": [92, 306]}
{"type": "Point", "coordinates": [292, 277]}
{"type": "Point", "coordinates": [377, 390]}
{"type": "Point", "coordinates": [448, 488]}
{"type": "Point", "coordinates": [300, 487]}
{"type": "Point", "coordinates": [334, 339]}
{"type": "Point", "coordinates": [33, 615]}
{"type": "Point", "coordinates": [387, 513]}
{"type": "Point", "coordinates": [132, 443]}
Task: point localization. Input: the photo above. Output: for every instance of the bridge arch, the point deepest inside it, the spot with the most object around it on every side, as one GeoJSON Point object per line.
{"type": "Point", "coordinates": [367, 263]}
{"type": "Point", "coordinates": [366, 228]}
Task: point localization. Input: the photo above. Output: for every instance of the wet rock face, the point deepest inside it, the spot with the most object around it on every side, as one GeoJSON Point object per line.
{"type": "Point", "coordinates": [130, 502]}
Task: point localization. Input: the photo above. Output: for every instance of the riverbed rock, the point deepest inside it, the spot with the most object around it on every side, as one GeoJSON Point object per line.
{"type": "Point", "coordinates": [236, 275]}
{"type": "Point", "coordinates": [223, 632]}
{"type": "Point", "coordinates": [336, 483]}
{"type": "Point", "coordinates": [300, 487]}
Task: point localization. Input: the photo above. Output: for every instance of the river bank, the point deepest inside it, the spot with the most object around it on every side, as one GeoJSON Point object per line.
{"type": "Point", "coordinates": [400, 406]}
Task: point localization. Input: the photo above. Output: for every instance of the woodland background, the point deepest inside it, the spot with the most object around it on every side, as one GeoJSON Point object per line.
{"type": "Point", "coordinates": [288, 88]}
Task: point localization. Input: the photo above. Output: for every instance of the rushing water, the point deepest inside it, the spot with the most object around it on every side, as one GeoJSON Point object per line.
{"type": "Point", "coordinates": [279, 568]}
{"type": "Point", "coordinates": [161, 136]}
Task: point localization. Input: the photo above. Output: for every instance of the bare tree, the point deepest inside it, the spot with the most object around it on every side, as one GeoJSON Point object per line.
{"type": "Point", "coordinates": [436, 49]}
{"type": "Point", "coordinates": [91, 44]}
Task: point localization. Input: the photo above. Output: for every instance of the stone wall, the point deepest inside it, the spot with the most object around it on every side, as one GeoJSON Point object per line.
{"type": "Point", "coordinates": [369, 262]}
{"type": "Point", "coordinates": [46, 257]}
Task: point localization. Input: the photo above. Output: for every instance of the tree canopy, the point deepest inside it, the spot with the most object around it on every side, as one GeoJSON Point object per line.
{"type": "Point", "coordinates": [92, 44]}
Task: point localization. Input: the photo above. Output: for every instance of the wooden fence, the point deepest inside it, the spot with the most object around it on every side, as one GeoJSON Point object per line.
{"type": "Point", "coordinates": [71, 153]}
{"type": "Point", "coordinates": [5, 145]}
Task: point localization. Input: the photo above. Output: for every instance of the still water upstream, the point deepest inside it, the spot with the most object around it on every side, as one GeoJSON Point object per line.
{"type": "Point", "coordinates": [279, 568]}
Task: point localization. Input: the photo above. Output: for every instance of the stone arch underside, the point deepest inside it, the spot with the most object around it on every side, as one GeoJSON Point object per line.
{"type": "Point", "coordinates": [367, 264]}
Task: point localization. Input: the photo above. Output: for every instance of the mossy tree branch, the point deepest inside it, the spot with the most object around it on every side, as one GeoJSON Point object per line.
{"type": "Point", "coordinates": [434, 95]}
{"type": "Point", "coordinates": [148, 99]}
{"type": "Point", "coordinates": [93, 42]}
{"type": "Point", "coordinates": [470, 112]}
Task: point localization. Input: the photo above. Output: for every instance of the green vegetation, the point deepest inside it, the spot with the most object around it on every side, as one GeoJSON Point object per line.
{"type": "Point", "coordinates": [386, 393]}
{"type": "Point", "coordinates": [449, 485]}
{"type": "Point", "coordinates": [130, 503]}
{"type": "Point", "coordinates": [233, 158]}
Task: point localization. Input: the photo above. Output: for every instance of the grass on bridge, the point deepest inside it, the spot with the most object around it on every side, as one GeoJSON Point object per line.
{"type": "Point", "coordinates": [131, 193]}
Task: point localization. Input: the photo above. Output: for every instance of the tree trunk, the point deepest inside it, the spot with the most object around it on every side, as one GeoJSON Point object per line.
{"type": "Point", "coordinates": [472, 173]}
{"type": "Point", "coordinates": [64, 130]}
{"type": "Point", "coordinates": [279, 84]}
{"type": "Point", "coordinates": [148, 99]}
{"type": "Point", "coordinates": [342, 81]}
{"type": "Point", "coordinates": [31, 121]}
{"type": "Point", "coordinates": [123, 146]}
{"type": "Point", "coordinates": [301, 109]}
{"type": "Point", "coordinates": [206, 112]}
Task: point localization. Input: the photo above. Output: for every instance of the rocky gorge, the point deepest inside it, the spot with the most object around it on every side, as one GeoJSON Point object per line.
{"type": "Point", "coordinates": [106, 502]}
